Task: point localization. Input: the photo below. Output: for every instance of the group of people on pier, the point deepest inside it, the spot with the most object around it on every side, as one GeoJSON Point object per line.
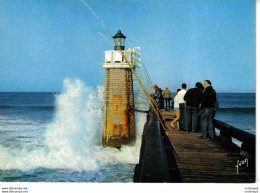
{"type": "Point", "coordinates": [194, 109]}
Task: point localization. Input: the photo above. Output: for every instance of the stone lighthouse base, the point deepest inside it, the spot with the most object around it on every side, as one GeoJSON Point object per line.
{"type": "Point", "coordinates": [119, 120]}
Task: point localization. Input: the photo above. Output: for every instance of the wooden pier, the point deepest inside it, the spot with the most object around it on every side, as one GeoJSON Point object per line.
{"type": "Point", "coordinates": [206, 160]}
{"type": "Point", "coordinates": [203, 160]}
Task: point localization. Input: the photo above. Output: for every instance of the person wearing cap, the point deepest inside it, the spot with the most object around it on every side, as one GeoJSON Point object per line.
{"type": "Point", "coordinates": [158, 96]}
{"type": "Point", "coordinates": [167, 98]}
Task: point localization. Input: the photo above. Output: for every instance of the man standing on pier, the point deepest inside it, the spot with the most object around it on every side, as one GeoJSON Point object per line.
{"type": "Point", "coordinates": [158, 96]}
{"type": "Point", "coordinates": [181, 94]}
{"type": "Point", "coordinates": [167, 98]}
{"type": "Point", "coordinates": [192, 99]}
{"type": "Point", "coordinates": [208, 101]}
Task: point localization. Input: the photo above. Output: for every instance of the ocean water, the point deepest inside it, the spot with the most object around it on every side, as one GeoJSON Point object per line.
{"type": "Point", "coordinates": [56, 137]}
{"type": "Point", "coordinates": [238, 110]}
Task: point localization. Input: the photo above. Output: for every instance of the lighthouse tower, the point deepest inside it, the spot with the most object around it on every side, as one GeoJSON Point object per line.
{"type": "Point", "coordinates": [119, 120]}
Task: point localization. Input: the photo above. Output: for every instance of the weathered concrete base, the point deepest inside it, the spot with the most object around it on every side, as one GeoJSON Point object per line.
{"type": "Point", "coordinates": [118, 141]}
{"type": "Point", "coordinates": [119, 121]}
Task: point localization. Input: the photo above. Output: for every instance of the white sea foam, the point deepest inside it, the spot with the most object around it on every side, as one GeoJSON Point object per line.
{"type": "Point", "coordinates": [73, 139]}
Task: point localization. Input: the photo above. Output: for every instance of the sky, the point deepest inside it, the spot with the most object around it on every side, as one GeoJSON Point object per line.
{"type": "Point", "coordinates": [43, 42]}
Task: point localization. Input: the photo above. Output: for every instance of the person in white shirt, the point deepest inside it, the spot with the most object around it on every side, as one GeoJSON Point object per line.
{"type": "Point", "coordinates": [181, 105]}
{"type": "Point", "coordinates": [177, 111]}
{"type": "Point", "coordinates": [175, 106]}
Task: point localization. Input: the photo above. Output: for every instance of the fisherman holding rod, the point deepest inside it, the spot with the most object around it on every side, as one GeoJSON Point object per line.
{"type": "Point", "coordinates": [158, 96]}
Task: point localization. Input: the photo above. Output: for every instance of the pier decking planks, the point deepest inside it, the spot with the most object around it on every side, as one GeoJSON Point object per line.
{"type": "Point", "coordinates": [204, 160]}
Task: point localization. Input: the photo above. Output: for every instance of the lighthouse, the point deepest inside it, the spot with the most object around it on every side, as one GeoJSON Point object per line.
{"type": "Point", "coordinates": [119, 119]}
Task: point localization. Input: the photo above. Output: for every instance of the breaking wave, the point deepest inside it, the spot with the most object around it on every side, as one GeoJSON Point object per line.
{"type": "Point", "coordinates": [73, 139]}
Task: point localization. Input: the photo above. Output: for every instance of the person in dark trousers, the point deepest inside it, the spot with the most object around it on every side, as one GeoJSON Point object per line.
{"type": "Point", "coordinates": [192, 100]}
{"type": "Point", "coordinates": [208, 101]}
{"type": "Point", "coordinates": [199, 114]}
{"type": "Point", "coordinates": [181, 94]}
{"type": "Point", "coordinates": [158, 96]}
{"type": "Point", "coordinates": [167, 98]}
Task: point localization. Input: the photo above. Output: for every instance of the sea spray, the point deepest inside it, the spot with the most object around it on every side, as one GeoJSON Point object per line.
{"type": "Point", "coordinates": [73, 139]}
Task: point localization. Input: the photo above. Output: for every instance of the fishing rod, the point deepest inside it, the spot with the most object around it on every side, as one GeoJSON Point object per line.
{"type": "Point", "coordinates": [140, 82]}
{"type": "Point", "coordinates": [153, 105]}
{"type": "Point", "coordinates": [190, 75]}
{"type": "Point", "coordinates": [145, 71]}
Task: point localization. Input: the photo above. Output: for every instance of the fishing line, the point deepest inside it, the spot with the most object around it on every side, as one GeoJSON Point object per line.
{"type": "Point", "coordinates": [104, 37]}
{"type": "Point", "coordinates": [190, 75]}
{"type": "Point", "coordinates": [97, 17]}
{"type": "Point", "coordinates": [150, 99]}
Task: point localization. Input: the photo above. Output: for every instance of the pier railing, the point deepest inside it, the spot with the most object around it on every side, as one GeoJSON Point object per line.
{"type": "Point", "coordinates": [227, 132]}
{"type": "Point", "coordinates": [157, 162]}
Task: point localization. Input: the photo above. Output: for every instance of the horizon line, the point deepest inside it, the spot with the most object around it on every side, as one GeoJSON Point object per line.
{"type": "Point", "coordinates": [61, 91]}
